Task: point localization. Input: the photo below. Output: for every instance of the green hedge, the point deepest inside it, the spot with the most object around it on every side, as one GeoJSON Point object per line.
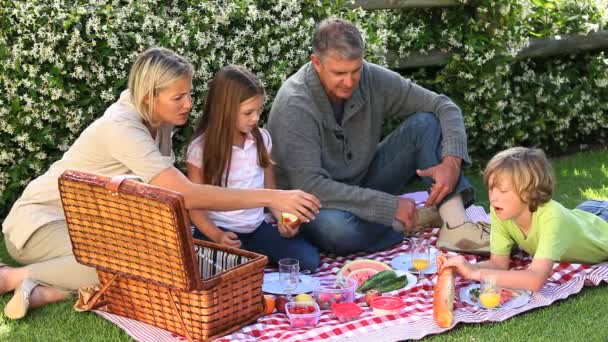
{"type": "Point", "coordinates": [554, 103]}
{"type": "Point", "coordinates": [63, 62]}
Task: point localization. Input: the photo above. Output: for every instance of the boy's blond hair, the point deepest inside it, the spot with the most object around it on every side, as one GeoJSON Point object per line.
{"type": "Point", "coordinates": [530, 172]}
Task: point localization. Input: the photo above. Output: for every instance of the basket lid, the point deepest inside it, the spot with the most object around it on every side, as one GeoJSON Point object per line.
{"type": "Point", "coordinates": [136, 230]}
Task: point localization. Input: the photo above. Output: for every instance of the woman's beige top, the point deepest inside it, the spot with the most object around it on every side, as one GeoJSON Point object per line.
{"type": "Point", "coordinates": [115, 144]}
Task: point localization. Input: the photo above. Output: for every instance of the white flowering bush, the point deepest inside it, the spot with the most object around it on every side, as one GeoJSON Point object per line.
{"type": "Point", "coordinates": [63, 62]}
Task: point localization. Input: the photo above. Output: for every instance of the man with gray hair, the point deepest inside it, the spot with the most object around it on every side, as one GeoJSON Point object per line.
{"type": "Point", "coordinates": [326, 123]}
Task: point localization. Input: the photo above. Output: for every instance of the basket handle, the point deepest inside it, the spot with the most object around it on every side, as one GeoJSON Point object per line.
{"type": "Point", "coordinates": [92, 303]}
{"type": "Point", "coordinates": [115, 182]}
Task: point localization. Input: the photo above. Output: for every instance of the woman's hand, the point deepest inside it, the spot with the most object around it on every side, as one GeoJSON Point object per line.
{"type": "Point", "coordinates": [304, 205]}
{"type": "Point", "coordinates": [463, 267]}
{"type": "Point", "coordinates": [228, 239]}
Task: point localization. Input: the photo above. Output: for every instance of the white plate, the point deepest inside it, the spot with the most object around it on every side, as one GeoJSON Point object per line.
{"type": "Point", "coordinates": [411, 282]}
{"type": "Point", "coordinates": [403, 262]}
{"type": "Point", "coordinates": [515, 302]}
{"type": "Point", "coordinates": [272, 284]}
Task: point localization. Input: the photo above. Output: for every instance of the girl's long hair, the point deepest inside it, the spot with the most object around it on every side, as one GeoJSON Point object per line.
{"type": "Point", "coordinates": [230, 87]}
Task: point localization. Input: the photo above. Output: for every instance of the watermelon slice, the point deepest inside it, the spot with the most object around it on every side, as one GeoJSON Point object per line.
{"type": "Point", "coordinates": [361, 275]}
{"type": "Point", "coordinates": [362, 269]}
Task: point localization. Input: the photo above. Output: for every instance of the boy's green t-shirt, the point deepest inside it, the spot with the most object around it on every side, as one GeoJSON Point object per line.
{"type": "Point", "coordinates": [556, 233]}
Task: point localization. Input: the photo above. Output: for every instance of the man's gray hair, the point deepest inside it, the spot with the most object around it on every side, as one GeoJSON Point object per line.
{"type": "Point", "coordinates": [337, 36]}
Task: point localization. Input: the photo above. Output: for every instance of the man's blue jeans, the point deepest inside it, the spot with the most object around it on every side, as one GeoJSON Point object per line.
{"type": "Point", "coordinates": [267, 240]}
{"type": "Point", "coordinates": [415, 144]}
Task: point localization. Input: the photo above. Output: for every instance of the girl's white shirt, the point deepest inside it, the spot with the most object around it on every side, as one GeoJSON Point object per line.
{"type": "Point", "coordinates": [245, 173]}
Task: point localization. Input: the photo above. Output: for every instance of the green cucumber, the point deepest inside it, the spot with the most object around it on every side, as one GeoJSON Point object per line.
{"type": "Point", "coordinates": [394, 284]}
{"type": "Point", "coordinates": [376, 279]}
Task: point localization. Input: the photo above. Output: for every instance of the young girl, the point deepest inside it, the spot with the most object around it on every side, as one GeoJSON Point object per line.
{"type": "Point", "coordinates": [520, 182]}
{"type": "Point", "coordinates": [230, 150]}
{"type": "Point", "coordinates": [132, 137]}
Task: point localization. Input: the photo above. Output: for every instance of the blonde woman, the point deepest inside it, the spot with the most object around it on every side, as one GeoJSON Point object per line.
{"type": "Point", "coordinates": [132, 137]}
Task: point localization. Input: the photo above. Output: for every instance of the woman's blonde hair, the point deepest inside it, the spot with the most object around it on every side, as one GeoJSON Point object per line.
{"type": "Point", "coordinates": [153, 70]}
{"type": "Point", "coordinates": [530, 172]}
{"type": "Point", "coordinates": [230, 87]}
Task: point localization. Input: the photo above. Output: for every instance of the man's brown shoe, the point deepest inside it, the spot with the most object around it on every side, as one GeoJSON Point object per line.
{"type": "Point", "coordinates": [469, 237]}
{"type": "Point", "coordinates": [425, 218]}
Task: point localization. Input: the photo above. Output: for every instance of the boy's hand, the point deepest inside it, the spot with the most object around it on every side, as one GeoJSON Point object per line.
{"type": "Point", "coordinates": [229, 239]}
{"type": "Point", "coordinates": [463, 267]}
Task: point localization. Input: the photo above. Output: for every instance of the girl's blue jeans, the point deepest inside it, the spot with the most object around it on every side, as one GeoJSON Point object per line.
{"type": "Point", "coordinates": [266, 240]}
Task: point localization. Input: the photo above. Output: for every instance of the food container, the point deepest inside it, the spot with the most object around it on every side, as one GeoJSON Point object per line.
{"type": "Point", "coordinates": [387, 305]}
{"type": "Point", "coordinates": [303, 314]}
{"type": "Point", "coordinates": [334, 290]}
{"type": "Point", "coordinates": [346, 311]}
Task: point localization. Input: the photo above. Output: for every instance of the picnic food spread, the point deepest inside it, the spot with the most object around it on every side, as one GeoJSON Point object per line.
{"type": "Point", "coordinates": [269, 304]}
{"type": "Point", "coordinates": [338, 294]}
{"type": "Point", "coordinates": [290, 220]}
{"type": "Point", "coordinates": [370, 295]}
{"type": "Point", "coordinates": [508, 298]}
{"type": "Point", "coordinates": [303, 314]}
{"type": "Point", "coordinates": [383, 281]}
{"type": "Point", "coordinates": [362, 269]}
{"type": "Point", "coordinates": [346, 312]}
{"type": "Point", "coordinates": [443, 294]}
{"type": "Point", "coordinates": [334, 290]}
{"type": "Point", "coordinates": [387, 305]}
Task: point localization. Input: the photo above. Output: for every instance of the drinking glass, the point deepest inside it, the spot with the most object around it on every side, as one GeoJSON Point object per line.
{"type": "Point", "coordinates": [289, 275]}
{"type": "Point", "coordinates": [489, 293]}
{"type": "Point", "coordinates": [421, 258]}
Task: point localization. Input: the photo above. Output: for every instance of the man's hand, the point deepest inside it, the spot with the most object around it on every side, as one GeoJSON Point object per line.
{"type": "Point", "coordinates": [406, 212]}
{"type": "Point", "coordinates": [445, 176]}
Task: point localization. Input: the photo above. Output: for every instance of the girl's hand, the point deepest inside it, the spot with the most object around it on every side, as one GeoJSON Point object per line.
{"type": "Point", "coordinates": [304, 205]}
{"type": "Point", "coordinates": [285, 230]}
{"type": "Point", "coordinates": [229, 239]}
{"type": "Point", "coordinates": [462, 266]}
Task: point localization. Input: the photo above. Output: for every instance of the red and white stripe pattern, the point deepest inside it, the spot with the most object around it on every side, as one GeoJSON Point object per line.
{"type": "Point", "coordinates": [414, 322]}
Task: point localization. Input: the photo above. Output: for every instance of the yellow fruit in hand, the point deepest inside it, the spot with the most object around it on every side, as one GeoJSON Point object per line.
{"type": "Point", "coordinates": [304, 297]}
{"type": "Point", "coordinates": [290, 220]}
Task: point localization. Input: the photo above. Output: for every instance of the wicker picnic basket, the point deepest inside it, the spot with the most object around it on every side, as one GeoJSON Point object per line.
{"type": "Point", "coordinates": [138, 238]}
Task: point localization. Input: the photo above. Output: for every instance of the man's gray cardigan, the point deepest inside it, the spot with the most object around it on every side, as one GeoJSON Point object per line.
{"type": "Point", "coordinates": [317, 155]}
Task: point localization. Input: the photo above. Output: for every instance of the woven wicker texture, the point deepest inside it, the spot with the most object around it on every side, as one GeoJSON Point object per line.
{"type": "Point", "coordinates": [138, 238]}
{"type": "Point", "coordinates": [139, 232]}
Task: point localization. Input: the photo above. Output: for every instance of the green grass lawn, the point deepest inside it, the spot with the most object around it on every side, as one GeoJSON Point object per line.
{"type": "Point", "coordinates": [582, 317]}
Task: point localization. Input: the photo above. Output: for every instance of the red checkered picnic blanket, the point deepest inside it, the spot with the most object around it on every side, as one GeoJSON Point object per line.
{"type": "Point", "coordinates": [414, 322]}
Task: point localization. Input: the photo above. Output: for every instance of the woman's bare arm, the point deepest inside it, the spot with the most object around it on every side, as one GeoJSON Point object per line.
{"type": "Point", "coordinates": [202, 196]}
